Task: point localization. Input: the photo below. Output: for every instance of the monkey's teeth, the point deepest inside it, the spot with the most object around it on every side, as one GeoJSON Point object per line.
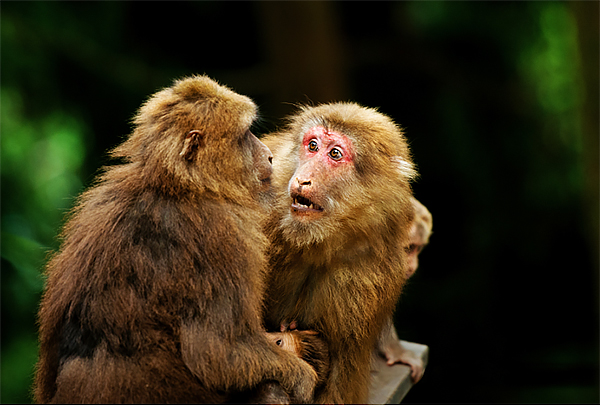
{"type": "Point", "coordinates": [296, 202]}
{"type": "Point", "coordinates": [304, 204]}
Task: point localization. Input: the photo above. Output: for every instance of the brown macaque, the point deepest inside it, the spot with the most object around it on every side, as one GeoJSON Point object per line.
{"type": "Point", "coordinates": [420, 231]}
{"type": "Point", "coordinates": [156, 293]}
{"type": "Point", "coordinates": [389, 346]}
{"type": "Point", "coordinates": [338, 234]}
{"type": "Point", "coordinates": [306, 344]}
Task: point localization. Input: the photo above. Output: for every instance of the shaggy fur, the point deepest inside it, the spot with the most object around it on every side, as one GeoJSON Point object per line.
{"type": "Point", "coordinates": [155, 294]}
{"type": "Point", "coordinates": [309, 346]}
{"type": "Point", "coordinates": [389, 346]}
{"type": "Point", "coordinates": [340, 274]}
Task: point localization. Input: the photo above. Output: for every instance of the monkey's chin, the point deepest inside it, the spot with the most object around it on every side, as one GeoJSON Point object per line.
{"type": "Point", "coordinates": [304, 230]}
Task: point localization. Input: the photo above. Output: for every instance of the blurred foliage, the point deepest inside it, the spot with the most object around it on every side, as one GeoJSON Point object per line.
{"type": "Point", "coordinates": [41, 162]}
{"type": "Point", "coordinates": [499, 101]}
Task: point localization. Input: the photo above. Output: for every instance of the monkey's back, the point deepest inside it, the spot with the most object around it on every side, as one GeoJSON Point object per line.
{"type": "Point", "coordinates": [134, 262]}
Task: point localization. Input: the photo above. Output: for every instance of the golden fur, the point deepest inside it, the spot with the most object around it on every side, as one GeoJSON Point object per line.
{"type": "Point", "coordinates": [342, 273]}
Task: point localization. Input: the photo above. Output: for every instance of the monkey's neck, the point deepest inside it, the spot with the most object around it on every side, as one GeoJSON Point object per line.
{"type": "Point", "coordinates": [339, 249]}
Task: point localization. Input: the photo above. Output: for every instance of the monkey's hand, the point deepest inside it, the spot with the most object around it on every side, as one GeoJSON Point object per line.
{"type": "Point", "coordinates": [394, 353]}
{"type": "Point", "coordinates": [285, 326]}
{"type": "Point", "coordinates": [301, 383]}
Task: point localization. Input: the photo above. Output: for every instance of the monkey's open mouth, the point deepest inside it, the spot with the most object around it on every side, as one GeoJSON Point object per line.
{"type": "Point", "coordinates": [302, 204]}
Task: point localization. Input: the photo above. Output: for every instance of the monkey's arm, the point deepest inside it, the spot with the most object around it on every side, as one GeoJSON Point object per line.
{"type": "Point", "coordinates": [243, 362]}
{"type": "Point", "coordinates": [389, 347]}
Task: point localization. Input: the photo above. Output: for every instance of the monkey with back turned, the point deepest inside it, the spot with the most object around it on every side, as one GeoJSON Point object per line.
{"type": "Point", "coordinates": [155, 295]}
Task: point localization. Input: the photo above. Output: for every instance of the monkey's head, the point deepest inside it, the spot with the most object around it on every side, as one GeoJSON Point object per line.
{"type": "Point", "coordinates": [195, 136]}
{"type": "Point", "coordinates": [349, 168]}
{"type": "Point", "coordinates": [308, 345]}
{"type": "Point", "coordinates": [420, 231]}
{"type": "Point", "coordinates": [289, 341]}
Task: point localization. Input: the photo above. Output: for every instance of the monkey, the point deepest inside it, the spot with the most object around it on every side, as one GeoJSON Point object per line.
{"type": "Point", "coordinates": [420, 231]}
{"type": "Point", "coordinates": [156, 292]}
{"type": "Point", "coordinates": [388, 345]}
{"type": "Point", "coordinates": [306, 344]}
{"type": "Point", "coordinates": [337, 233]}
{"type": "Point", "coordinates": [309, 347]}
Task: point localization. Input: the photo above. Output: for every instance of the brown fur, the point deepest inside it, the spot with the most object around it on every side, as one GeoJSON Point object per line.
{"type": "Point", "coordinates": [420, 231]}
{"type": "Point", "coordinates": [389, 346]}
{"type": "Point", "coordinates": [155, 294]}
{"type": "Point", "coordinates": [309, 346]}
{"type": "Point", "coordinates": [342, 273]}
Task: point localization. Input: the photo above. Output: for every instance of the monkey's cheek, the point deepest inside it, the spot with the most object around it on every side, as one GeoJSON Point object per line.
{"type": "Point", "coordinates": [264, 185]}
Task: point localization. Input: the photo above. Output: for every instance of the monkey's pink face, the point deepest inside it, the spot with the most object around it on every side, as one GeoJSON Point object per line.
{"type": "Point", "coordinates": [325, 159]}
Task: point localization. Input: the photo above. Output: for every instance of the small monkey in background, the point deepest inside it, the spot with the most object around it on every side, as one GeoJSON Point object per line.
{"type": "Point", "coordinates": [389, 346]}
{"type": "Point", "coordinates": [156, 293]}
{"type": "Point", "coordinates": [338, 234]}
{"type": "Point", "coordinates": [420, 231]}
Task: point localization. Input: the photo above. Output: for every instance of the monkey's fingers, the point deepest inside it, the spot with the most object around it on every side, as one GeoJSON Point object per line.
{"type": "Point", "coordinates": [303, 387]}
{"type": "Point", "coordinates": [417, 371]}
{"type": "Point", "coordinates": [394, 353]}
{"type": "Point", "coordinates": [288, 326]}
{"type": "Point", "coordinates": [415, 364]}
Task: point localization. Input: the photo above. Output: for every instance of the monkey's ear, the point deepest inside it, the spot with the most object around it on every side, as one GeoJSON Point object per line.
{"type": "Point", "coordinates": [403, 167]}
{"type": "Point", "coordinates": [192, 143]}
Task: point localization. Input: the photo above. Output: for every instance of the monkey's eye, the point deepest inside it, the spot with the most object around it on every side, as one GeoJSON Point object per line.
{"type": "Point", "coordinates": [313, 146]}
{"type": "Point", "coordinates": [335, 154]}
{"type": "Point", "coordinates": [278, 342]}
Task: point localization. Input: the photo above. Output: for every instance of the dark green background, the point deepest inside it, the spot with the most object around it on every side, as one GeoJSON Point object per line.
{"type": "Point", "coordinates": [499, 101]}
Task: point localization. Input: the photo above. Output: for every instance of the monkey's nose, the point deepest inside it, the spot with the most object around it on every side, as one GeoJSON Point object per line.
{"type": "Point", "coordinates": [306, 182]}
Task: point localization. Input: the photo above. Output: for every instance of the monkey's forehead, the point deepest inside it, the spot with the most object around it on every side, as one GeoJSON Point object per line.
{"type": "Point", "coordinates": [352, 119]}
